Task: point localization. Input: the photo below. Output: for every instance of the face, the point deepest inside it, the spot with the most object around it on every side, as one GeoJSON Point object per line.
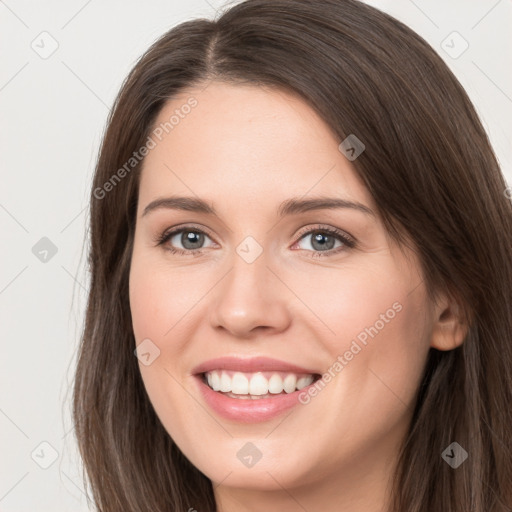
{"type": "Point", "coordinates": [254, 294]}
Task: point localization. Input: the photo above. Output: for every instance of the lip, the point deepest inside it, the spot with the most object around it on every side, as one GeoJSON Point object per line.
{"type": "Point", "coordinates": [249, 365]}
{"type": "Point", "coordinates": [248, 410]}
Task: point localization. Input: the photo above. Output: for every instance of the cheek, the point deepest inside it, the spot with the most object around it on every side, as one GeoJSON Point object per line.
{"type": "Point", "coordinates": [159, 304]}
{"type": "Point", "coordinates": [375, 328]}
{"type": "Point", "coordinates": [359, 301]}
{"type": "Point", "coordinates": [400, 349]}
{"type": "Point", "coordinates": [160, 301]}
{"type": "Point", "coordinates": [383, 343]}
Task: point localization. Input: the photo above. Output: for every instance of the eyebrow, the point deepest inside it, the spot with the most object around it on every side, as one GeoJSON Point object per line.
{"type": "Point", "coordinates": [294, 205]}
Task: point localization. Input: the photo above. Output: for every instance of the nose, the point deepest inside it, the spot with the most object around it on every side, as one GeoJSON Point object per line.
{"type": "Point", "coordinates": [250, 298]}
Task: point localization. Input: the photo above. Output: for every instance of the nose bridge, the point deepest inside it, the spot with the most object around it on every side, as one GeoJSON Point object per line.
{"type": "Point", "coordinates": [249, 296]}
{"type": "Point", "coordinates": [248, 280]}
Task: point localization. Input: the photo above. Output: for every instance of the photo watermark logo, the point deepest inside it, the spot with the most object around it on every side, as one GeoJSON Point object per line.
{"type": "Point", "coordinates": [343, 360]}
{"type": "Point", "coordinates": [143, 151]}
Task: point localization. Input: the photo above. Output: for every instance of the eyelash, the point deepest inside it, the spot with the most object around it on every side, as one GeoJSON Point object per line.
{"type": "Point", "coordinates": [340, 235]}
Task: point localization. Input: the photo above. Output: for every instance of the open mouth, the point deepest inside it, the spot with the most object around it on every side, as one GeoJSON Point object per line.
{"type": "Point", "coordinates": [256, 385]}
{"type": "Point", "coordinates": [255, 389]}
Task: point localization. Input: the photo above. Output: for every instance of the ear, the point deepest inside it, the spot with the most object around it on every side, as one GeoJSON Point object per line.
{"type": "Point", "coordinates": [449, 328]}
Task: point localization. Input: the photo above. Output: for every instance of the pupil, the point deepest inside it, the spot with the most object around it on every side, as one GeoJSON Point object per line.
{"type": "Point", "coordinates": [191, 238]}
{"type": "Point", "coordinates": [326, 244]}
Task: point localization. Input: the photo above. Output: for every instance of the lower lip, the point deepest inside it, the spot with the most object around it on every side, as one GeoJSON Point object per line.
{"type": "Point", "coordinates": [247, 410]}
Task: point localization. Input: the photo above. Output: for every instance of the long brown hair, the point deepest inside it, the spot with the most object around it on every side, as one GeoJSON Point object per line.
{"type": "Point", "coordinates": [432, 172]}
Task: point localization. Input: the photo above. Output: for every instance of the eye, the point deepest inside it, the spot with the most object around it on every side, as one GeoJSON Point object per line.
{"type": "Point", "coordinates": [190, 238]}
{"type": "Point", "coordinates": [322, 241]}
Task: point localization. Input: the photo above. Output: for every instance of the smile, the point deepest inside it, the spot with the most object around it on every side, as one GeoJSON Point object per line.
{"type": "Point", "coordinates": [251, 390]}
{"type": "Point", "coordinates": [256, 385]}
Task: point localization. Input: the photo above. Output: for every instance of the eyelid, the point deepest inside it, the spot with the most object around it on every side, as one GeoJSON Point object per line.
{"type": "Point", "coordinates": [159, 237]}
{"type": "Point", "coordinates": [347, 240]}
{"type": "Point", "coordinates": [328, 229]}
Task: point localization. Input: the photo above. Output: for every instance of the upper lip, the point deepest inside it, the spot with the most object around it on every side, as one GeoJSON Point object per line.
{"type": "Point", "coordinates": [249, 365]}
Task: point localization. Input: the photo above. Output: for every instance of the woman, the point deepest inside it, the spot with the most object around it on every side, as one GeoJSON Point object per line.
{"type": "Point", "coordinates": [299, 228]}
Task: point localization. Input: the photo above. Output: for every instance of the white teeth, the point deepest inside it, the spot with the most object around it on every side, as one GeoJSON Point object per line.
{"type": "Point", "coordinates": [225, 382]}
{"type": "Point", "coordinates": [215, 383]}
{"type": "Point", "coordinates": [258, 385]}
{"type": "Point", "coordinates": [255, 385]}
{"type": "Point", "coordinates": [239, 384]}
{"type": "Point", "coordinates": [289, 383]}
{"type": "Point", "coordinates": [304, 381]}
{"type": "Point", "coordinates": [275, 384]}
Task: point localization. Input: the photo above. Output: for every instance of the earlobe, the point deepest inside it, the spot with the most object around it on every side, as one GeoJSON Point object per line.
{"type": "Point", "coordinates": [450, 328]}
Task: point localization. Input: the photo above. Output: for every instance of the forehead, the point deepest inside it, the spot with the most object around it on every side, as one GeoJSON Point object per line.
{"type": "Point", "coordinates": [245, 143]}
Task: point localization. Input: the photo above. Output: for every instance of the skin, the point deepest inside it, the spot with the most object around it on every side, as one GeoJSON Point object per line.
{"type": "Point", "coordinates": [245, 149]}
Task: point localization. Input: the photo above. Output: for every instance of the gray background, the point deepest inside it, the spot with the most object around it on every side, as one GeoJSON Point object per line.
{"type": "Point", "coordinates": [53, 111]}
